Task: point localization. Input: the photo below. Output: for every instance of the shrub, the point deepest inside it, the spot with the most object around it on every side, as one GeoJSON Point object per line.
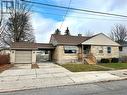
{"type": "Point", "coordinates": [4, 59]}
{"type": "Point", "coordinates": [105, 61]}
{"type": "Point", "coordinates": [115, 60]}
{"type": "Point", "coordinates": [123, 59]}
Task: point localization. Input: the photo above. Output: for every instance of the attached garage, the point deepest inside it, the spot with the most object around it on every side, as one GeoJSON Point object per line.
{"type": "Point", "coordinates": [23, 56]}
{"type": "Point", "coordinates": [26, 52]}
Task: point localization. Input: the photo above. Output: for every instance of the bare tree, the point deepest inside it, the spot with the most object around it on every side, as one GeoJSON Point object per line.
{"type": "Point", "coordinates": [119, 33]}
{"type": "Point", "coordinates": [18, 27]}
{"type": "Point", "coordinates": [2, 34]}
{"type": "Point", "coordinates": [67, 32]}
{"type": "Point", "coordinates": [88, 33]}
{"type": "Point", "coordinates": [57, 32]}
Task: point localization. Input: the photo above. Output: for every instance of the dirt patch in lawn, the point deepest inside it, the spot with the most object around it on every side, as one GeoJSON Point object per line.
{"type": "Point", "coordinates": [4, 67]}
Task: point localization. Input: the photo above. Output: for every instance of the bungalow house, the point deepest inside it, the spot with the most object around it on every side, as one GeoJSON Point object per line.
{"type": "Point", "coordinates": [4, 51]}
{"type": "Point", "coordinates": [66, 48]}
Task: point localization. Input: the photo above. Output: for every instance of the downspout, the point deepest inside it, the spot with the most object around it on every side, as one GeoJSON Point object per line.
{"type": "Point", "coordinates": [82, 54]}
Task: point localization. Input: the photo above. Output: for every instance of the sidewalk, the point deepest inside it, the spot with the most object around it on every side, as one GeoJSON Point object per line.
{"type": "Point", "coordinates": [50, 75]}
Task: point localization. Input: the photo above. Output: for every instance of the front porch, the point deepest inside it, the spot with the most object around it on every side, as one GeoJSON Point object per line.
{"type": "Point", "coordinates": [86, 55]}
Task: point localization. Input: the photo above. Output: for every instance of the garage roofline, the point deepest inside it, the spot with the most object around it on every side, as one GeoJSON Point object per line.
{"type": "Point", "coordinates": [31, 46]}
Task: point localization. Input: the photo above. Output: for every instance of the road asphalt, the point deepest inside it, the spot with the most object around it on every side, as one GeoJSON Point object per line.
{"type": "Point", "coordinates": [102, 88]}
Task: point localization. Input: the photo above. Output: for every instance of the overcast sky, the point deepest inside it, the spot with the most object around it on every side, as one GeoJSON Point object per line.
{"type": "Point", "coordinates": [46, 20]}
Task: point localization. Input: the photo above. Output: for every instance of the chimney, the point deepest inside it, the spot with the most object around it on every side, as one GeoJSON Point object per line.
{"type": "Point", "coordinates": [79, 34]}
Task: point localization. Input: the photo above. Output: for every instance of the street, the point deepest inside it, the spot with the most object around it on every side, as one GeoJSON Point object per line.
{"type": "Point", "coordinates": [103, 88]}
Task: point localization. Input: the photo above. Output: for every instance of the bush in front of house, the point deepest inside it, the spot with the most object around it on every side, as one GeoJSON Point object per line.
{"type": "Point", "coordinates": [4, 59]}
{"type": "Point", "coordinates": [123, 59]}
{"type": "Point", "coordinates": [115, 60]}
{"type": "Point", "coordinates": [103, 60]}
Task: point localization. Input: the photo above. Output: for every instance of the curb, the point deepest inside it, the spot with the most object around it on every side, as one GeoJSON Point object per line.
{"type": "Point", "coordinates": [71, 84]}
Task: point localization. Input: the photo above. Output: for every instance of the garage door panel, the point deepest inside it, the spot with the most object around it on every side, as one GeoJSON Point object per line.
{"type": "Point", "coordinates": [23, 56]}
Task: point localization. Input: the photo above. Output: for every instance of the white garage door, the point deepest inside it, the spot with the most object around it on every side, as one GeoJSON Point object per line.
{"type": "Point", "coordinates": [23, 57]}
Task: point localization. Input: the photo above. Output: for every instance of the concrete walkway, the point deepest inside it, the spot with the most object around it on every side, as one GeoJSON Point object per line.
{"type": "Point", "coordinates": [23, 77]}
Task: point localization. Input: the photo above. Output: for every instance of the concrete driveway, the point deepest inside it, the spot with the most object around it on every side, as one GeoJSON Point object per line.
{"type": "Point", "coordinates": [21, 76]}
{"type": "Point", "coordinates": [24, 71]}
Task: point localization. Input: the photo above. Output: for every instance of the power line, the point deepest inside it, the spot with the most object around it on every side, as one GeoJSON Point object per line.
{"type": "Point", "coordinates": [79, 17]}
{"type": "Point", "coordinates": [77, 9]}
{"type": "Point", "coordinates": [65, 14]}
{"type": "Point", "coordinates": [78, 12]}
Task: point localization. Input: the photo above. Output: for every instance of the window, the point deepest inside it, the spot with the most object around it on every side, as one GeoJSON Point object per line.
{"type": "Point", "coordinates": [108, 49]}
{"type": "Point", "coordinates": [100, 49]}
{"type": "Point", "coordinates": [120, 48]}
{"type": "Point", "coordinates": [70, 49]}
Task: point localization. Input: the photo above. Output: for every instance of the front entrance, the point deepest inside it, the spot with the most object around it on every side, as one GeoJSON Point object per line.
{"type": "Point", "coordinates": [43, 56]}
{"type": "Point", "coordinates": [87, 49]}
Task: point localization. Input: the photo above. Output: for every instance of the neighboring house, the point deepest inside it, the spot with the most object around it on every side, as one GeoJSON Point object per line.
{"type": "Point", "coordinates": [4, 51]}
{"type": "Point", "coordinates": [65, 48]}
{"type": "Point", "coordinates": [123, 50]}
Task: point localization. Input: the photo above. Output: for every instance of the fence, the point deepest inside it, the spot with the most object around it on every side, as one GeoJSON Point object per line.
{"type": "Point", "coordinates": [4, 59]}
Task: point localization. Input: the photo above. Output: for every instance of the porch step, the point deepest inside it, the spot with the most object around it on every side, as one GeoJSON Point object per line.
{"type": "Point", "coordinates": [89, 61]}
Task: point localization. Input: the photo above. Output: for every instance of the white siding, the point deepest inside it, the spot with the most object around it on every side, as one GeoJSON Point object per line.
{"type": "Point", "coordinates": [100, 39]}
{"type": "Point", "coordinates": [123, 52]}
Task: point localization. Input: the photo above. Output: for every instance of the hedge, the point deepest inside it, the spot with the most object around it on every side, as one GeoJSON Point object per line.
{"type": "Point", "coordinates": [4, 59]}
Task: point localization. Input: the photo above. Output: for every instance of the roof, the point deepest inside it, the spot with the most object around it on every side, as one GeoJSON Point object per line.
{"type": "Point", "coordinates": [31, 46]}
{"type": "Point", "coordinates": [124, 44]}
{"type": "Point", "coordinates": [100, 39]}
{"type": "Point", "coordinates": [69, 40]}
{"type": "Point", "coordinates": [44, 45]}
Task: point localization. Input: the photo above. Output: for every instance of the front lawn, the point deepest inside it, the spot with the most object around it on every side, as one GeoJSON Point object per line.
{"type": "Point", "coordinates": [99, 67]}
{"type": "Point", "coordinates": [116, 66]}
{"type": "Point", "coordinates": [83, 67]}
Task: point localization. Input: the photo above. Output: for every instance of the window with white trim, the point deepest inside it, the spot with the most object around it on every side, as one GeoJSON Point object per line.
{"type": "Point", "coordinates": [70, 49]}
{"type": "Point", "coordinates": [109, 50]}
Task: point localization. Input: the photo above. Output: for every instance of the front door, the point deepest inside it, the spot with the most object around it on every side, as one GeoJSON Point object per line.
{"type": "Point", "coordinates": [87, 49]}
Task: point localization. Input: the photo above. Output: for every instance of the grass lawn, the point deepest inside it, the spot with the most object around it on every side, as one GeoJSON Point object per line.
{"type": "Point", "coordinates": [116, 66]}
{"type": "Point", "coordinates": [99, 67]}
{"type": "Point", "coordinates": [83, 67]}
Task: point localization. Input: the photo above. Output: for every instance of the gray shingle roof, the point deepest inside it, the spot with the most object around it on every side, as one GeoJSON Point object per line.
{"type": "Point", "coordinates": [29, 45]}
{"type": "Point", "coordinates": [69, 40]}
